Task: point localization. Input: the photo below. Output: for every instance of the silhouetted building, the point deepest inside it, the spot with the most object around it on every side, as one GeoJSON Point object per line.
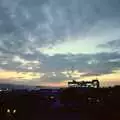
{"type": "Point", "coordinates": [93, 84]}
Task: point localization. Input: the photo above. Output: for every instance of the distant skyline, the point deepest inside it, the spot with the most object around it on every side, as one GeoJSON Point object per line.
{"type": "Point", "coordinates": [41, 40]}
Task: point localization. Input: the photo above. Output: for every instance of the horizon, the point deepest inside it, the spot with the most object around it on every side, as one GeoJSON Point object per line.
{"type": "Point", "coordinates": [59, 86]}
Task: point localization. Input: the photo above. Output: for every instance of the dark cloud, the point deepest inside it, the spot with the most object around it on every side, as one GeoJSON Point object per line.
{"type": "Point", "coordinates": [103, 68]}
{"type": "Point", "coordinates": [99, 63]}
{"type": "Point", "coordinates": [10, 66]}
{"type": "Point", "coordinates": [6, 24]}
{"type": "Point", "coordinates": [94, 74]}
{"type": "Point", "coordinates": [91, 64]}
{"type": "Point", "coordinates": [34, 56]}
{"type": "Point", "coordinates": [54, 79]}
{"type": "Point", "coordinates": [32, 3]}
{"type": "Point", "coordinates": [113, 45]}
{"type": "Point", "coordinates": [49, 21]}
{"type": "Point", "coordinates": [100, 71]}
{"type": "Point", "coordinates": [102, 63]}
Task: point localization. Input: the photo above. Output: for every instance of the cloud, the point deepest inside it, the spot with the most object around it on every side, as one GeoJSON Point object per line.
{"type": "Point", "coordinates": [81, 62]}
{"type": "Point", "coordinates": [55, 79]}
{"type": "Point", "coordinates": [6, 24]}
{"type": "Point", "coordinates": [14, 76]}
{"type": "Point", "coordinates": [98, 73]}
{"type": "Point", "coordinates": [100, 63]}
{"type": "Point", "coordinates": [32, 27]}
{"type": "Point", "coordinates": [113, 45]}
{"type": "Point", "coordinates": [27, 28]}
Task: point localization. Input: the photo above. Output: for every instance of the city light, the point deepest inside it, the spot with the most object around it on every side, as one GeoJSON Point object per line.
{"type": "Point", "coordinates": [14, 111]}
{"type": "Point", "coordinates": [8, 110]}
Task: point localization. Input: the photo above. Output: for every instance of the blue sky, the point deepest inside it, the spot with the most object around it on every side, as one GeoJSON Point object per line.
{"type": "Point", "coordinates": [41, 39]}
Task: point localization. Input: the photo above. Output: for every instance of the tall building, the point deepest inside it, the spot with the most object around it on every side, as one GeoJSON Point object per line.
{"type": "Point", "coordinates": [93, 84]}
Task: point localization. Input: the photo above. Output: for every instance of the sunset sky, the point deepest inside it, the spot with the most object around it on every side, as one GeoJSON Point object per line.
{"type": "Point", "coordinates": [41, 40]}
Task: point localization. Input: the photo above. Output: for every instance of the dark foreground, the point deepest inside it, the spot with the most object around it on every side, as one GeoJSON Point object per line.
{"type": "Point", "coordinates": [61, 104]}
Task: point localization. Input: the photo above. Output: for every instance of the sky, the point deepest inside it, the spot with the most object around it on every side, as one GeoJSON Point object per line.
{"type": "Point", "coordinates": [41, 40]}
